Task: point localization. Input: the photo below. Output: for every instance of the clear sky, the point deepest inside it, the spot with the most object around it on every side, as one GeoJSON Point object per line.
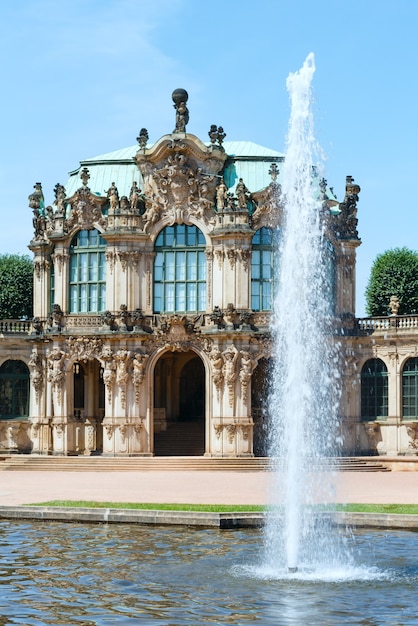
{"type": "Point", "coordinates": [81, 77]}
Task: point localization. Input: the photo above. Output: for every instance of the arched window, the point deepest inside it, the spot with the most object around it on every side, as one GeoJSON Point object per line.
{"type": "Point", "coordinates": [14, 390]}
{"type": "Point", "coordinates": [87, 273]}
{"type": "Point", "coordinates": [410, 389]}
{"type": "Point", "coordinates": [180, 270]}
{"type": "Point", "coordinates": [262, 269]}
{"type": "Point", "coordinates": [374, 390]}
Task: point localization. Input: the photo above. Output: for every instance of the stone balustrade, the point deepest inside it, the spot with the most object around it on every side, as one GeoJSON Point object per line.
{"type": "Point", "coordinates": [391, 322]}
{"type": "Point", "coordinates": [15, 326]}
{"type": "Point", "coordinates": [364, 324]}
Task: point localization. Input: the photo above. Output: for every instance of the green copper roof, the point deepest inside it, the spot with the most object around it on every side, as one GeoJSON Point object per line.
{"type": "Point", "coordinates": [248, 161]}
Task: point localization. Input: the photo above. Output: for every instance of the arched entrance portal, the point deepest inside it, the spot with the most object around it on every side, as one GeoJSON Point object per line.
{"type": "Point", "coordinates": [179, 405]}
{"type": "Point", "coordinates": [260, 391]}
{"type": "Point", "coordinates": [88, 407]}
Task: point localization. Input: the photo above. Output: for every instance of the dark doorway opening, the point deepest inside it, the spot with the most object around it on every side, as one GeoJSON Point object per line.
{"type": "Point", "coordinates": [179, 402]}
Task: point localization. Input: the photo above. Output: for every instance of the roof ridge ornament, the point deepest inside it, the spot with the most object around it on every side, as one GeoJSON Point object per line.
{"type": "Point", "coordinates": [85, 175]}
{"type": "Point", "coordinates": [216, 135]}
{"type": "Point", "coordinates": [180, 97]}
{"type": "Point", "coordinates": [143, 138]}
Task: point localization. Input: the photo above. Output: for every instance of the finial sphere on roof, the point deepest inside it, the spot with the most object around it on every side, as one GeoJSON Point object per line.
{"type": "Point", "coordinates": [179, 95]}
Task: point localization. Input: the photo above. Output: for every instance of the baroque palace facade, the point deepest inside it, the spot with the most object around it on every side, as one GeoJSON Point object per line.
{"type": "Point", "coordinates": [153, 283]}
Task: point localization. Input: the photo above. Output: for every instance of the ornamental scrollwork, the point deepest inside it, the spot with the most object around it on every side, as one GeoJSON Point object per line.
{"type": "Point", "coordinates": [56, 370]}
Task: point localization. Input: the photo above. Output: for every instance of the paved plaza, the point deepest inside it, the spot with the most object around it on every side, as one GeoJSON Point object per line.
{"type": "Point", "coordinates": [206, 487]}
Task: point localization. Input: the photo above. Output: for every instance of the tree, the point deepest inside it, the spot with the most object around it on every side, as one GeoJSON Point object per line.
{"type": "Point", "coordinates": [16, 286]}
{"type": "Point", "coordinates": [393, 273]}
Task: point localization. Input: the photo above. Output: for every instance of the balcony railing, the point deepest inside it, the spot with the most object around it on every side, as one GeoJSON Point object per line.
{"type": "Point", "coordinates": [391, 322]}
{"type": "Point", "coordinates": [397, 323]}
{"type": "Point", "coordinates": [14, 326]}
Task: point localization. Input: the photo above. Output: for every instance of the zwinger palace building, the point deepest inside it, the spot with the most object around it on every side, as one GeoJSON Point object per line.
{"type": "Point", "coordinates": [153, 285]}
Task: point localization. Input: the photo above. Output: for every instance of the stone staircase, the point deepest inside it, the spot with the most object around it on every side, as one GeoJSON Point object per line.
{"type": "Point", "coordinates": [180, 439]}
{"type": "Point", "coordinates": [22, 462]}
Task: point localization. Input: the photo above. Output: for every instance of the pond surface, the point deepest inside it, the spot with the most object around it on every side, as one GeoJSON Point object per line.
{"type": "Point", "coordinates": [59, 573]}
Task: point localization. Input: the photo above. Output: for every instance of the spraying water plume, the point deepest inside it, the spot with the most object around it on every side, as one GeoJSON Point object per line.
{"type": "Point", "coordinates": [303, 402]}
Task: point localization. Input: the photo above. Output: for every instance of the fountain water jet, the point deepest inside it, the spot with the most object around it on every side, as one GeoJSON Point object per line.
{"type": "Point", "coordinates": [304, 396]}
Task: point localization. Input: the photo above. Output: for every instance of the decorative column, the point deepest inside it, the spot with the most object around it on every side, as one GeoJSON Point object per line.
{"type": "Point", "coordinates": [38, 395]}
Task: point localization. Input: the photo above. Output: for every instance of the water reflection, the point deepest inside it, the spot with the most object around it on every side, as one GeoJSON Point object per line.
{"type": "Point", "coordinates": [57, 573]}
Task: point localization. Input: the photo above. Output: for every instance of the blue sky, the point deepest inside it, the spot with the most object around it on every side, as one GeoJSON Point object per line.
{"type": "Point", "coordinates": [81, 77]}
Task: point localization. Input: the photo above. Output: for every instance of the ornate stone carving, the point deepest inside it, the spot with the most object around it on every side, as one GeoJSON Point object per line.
{"type": "Point", "coordinates": [124, 318]}
{"type": "Point", "coordinates": [231, 430]}
{"type": "Point", "coordinates": [221, 195]}
{"type": "Point", "coordinates": [230, 316]}
{"type": "Point", "coordinates": [143, 138]}
{"type": "Point", "coordinates": [218, 428]}
{"type": "Point", "coordinates": [180, 191]}
{"type": "Point", "coordinates": [179, 181]}
{"type": "Point", "coordinates": [41, 266]}
{"type": "Point", "coordinates": [12, 435]}
{"type": "Point", "coordinates": [113, 196]}
{"type": "Point", "coordinates": [123, 430]}
{"type": "Point", "coordinates": [36, 203]}
{"type": "Point", "coordinates": [109, 428]}
{"type": "Point", "coordinates": [216, 135]}
{"type": "Point", "coordinates": [268, 210]}
{"type": "Point", "coordinates": [230, 356]}
{"type": "Point", "coordinates": [217, 367]}
{"type": "Point", "coordinates": [136, 198]}
{"type": "Point", "coordinates": [59, 258]}
{"type": "Point", "coordinates": [56, 370]}
{"type": "Point", "coordinates": [108, 320]}
{"type": "Point", "coordinates": [245, 255]}
{"type": "Point", "coordinates": [346, 221]}
{"type": "Point", "coordinates": [248, 365]}
{"type": "Point", "coordinates": [176, 331]}
{"type": "Point", "coordinates": [137, 428]}
{"type": "Point", "coordinates": [246, 430]}
{"type": "Point", "coordinates": [139, 363]}
{"type": "Point", "coordinates": [373, 434]}
{"type": "Point", "coordinates": [109, 370]}
{"type": "Point", "coordinates": [55, 319]}
{"type": "Point", "coordinates": [122, 358]}
{"type": "Point", "coordinates": [217, 318]}
{"type": "Point", "coordinates": [394, 305]}
{"type": "Point", "coordinates": [128, 256]}
{"type": "Point", "coordinates": [180, 97]}
{"type": "Point", "coordinates": [84, 348]}
{"type": "Point", "coordinates": [232, 257]}
{"type": "Point", "coordinates": [37, 372]}
{"type": "Point", "coordinates": [37, 326]}
{"type": "Point", "coordinates": [219, 253]}
{"type": "Point", "coordinates": [243, 195]}
{"type": "Point", "coordinates": [412, 432]}
{"type": "Point", "coordinates": [110, 256]}
{"type": "Point", "coordinates": [60, 195]}
{"type": "Point", "coordinates": [35, 429]}
{"type": "Point", "coordinates": [86, 207]}
{"type": "Point", "coordinates": [138, 321]}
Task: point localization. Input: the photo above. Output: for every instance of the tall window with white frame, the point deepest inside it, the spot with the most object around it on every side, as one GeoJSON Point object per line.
{"type": "Point", "coordinates": [180, 270]}
{"type": "Point", "coordinates": [262, 269]}
{"type": "Point", "coordinates": [374, 390]}
{"type": "Point", "coordinates": [87, 272]}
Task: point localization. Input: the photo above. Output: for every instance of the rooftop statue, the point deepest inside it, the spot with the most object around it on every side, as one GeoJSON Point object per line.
{"type": "Point", "coordinates": [180, 97]}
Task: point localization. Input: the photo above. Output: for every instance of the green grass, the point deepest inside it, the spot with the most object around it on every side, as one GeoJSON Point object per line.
{"type": "Point", "coordinates": [410, 509]}
{"type": "Point", "coordinates": [211, 508]}
{"type": "Point", "coordinates": [400, 509]}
